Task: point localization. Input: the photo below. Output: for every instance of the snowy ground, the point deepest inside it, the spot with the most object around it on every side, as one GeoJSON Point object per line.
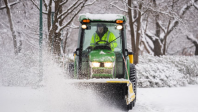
{"type": "Point", "coordinates": [58, 96]}
{"type": "Point", "coordinates": [181, 99]}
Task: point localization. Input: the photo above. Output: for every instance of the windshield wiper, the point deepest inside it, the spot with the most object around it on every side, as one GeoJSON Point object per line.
{"type": "Point", "coordinates": [114, 40]}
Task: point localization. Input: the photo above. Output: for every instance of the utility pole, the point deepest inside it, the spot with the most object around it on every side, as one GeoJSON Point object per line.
{"type": "Point", "coordinates": [40, 43]}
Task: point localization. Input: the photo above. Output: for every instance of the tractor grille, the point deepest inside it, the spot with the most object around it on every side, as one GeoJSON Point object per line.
{"type": "Point", "coordinates": [101, 71]}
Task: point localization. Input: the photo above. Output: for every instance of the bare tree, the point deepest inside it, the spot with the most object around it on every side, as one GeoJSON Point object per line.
{"type": "Point", "coordinates": [8, 10]}
{"type": "Point", "coordinates": [160, 42]}
{"type": "Point", "coordinates": [62, 18]}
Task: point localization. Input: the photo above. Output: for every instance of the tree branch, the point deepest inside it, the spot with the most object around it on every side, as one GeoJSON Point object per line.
{"type": "Point", "coordinates": [73, 17]}
{"type": "Point", "coordinates": [11, 4]}
{"type": "Point", "coordinates": [63, 3]}
{"type": "Point", "coordinates": [141, 15]}
{"type": "Point", "coordinates": [45, 4]}
{"type": "Point", "coordinates": [195, 42]}
{"type": "Point", "coordinates": [196, 6]}
{"type": "Point", "coordinates": [90, 3]}
{"type": "Point", "coordinates": [117, 6]}
{"type": "Point", "coordinates": [163, 29]}
{"type": "Point", "coordinates": [69, 12]}
{"type": "Point", "coordinates": [150, 36]}
{"type": "Point", "coordinates": [74, 4]}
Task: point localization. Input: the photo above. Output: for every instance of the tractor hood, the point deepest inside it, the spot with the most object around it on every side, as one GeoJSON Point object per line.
{"type": "Point", "coordinates": [102, 56]}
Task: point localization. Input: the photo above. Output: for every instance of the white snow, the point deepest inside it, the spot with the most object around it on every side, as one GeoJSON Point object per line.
{"type": "Point", "coordinates": [181, 99]}
{"type": "Point", "coordinates": [104, 17]}
{"type": "Point", "coordinates": [57, 96]}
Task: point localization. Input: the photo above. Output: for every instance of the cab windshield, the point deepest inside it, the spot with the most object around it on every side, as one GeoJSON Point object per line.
{"type": "Point", "coordinates": [90, 32]}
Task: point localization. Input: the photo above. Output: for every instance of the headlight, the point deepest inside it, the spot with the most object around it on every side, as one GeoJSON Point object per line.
{"type": "Point", "coordinates": [119, 27]}
{"type": "Point", "coordinates": [84, 26]}
{"type": "Point", "coordinates": [108, 64]}
{"type": "Point", "coordinates": [94, 64]}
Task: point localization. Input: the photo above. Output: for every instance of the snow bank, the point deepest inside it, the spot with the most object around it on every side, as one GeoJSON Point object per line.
{"type": "Point", "coordinates": [167, 71]}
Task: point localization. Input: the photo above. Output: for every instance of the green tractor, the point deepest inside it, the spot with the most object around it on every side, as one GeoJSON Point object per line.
{"type": "Point", "coordinates": [102, 59]}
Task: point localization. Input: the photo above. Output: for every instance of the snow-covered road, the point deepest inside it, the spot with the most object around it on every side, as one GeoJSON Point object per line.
{"type": "Point", "coordinates": [181, 99]}
{"type": "Point", "coordinates": [57, 99]}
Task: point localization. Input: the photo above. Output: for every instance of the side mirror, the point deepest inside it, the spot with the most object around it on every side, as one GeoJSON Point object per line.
{"type": "Point", "coordinates": [126, 52]}
{"type": "Point", "coordinates": [77, 51]}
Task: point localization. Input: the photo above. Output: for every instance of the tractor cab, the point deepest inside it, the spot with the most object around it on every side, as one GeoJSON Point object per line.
{"type": "Point", "coordinates": [100, 55]}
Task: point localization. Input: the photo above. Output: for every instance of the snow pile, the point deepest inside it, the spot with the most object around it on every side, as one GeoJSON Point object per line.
{"type": "Point", "coordinates": [20, 70]}
{"type": "Point", "coordinates": [167, 71]}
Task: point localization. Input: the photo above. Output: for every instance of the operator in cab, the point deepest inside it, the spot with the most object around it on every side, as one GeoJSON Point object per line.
{"type": "Point", "coordinates": [101, 35]}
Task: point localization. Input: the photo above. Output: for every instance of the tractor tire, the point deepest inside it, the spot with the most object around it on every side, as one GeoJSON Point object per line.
{"type": "Point", "coordinates": [133, 79]}
{"type": "Point", "coordinates": [71, 70]}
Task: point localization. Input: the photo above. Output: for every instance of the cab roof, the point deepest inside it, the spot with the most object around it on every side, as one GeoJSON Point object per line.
{"type": "Point", "coordinates": [102, 17]}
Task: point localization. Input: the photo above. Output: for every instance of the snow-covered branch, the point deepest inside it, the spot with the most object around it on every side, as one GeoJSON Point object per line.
{"type": "Point", "coordinates": [151, 36]}
{"type": "Point", "coordinates": [64, 2]}
{"type": "Point", "coordinates": [147, 46]}
{"type": "Point", "coordinates": [65, 25]}
{"type": "Point", "coordinates": [186, 7]}
{"type": "Point", "coordinates": [196, 6]}
{"type": "Point", "coordinates": [11, 4]}
{"type": "Point", "coordinates": [73, 26]}
{"type": "Point", "coordinates": [74, 4]}
{"type": "Point", "coordinates": [192, 39]}
{"type": "Point", "coordinates": [163, 29]}
{"type": "Point", "coordinates": [70, 11]}
{"type": "Point", "coordinates": [112, 3]}
{"type": "Point", "coordinates": [131, 7]}
{"type": "Point", "coordinates": [90, 3]}
{"type": "Point", "coordinates": [46, 5]}
{"type": "Point", "coordinates": [141, 15]}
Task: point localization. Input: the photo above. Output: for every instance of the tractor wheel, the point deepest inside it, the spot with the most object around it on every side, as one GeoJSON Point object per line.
{"type": "Point", "coordinates": [133, 79]}
{"type": "Point", "coordinates": [71, 70]}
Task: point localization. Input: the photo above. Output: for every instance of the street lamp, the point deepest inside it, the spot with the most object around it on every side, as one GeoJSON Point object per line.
{"type": "Point", "coordinates": [53, 10]}
{"type": "Point", "coordinates": [52, 16]}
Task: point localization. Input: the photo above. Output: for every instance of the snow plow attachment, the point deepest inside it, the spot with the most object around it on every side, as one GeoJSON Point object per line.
{"type": "Point", "coordinates": [118, 91]}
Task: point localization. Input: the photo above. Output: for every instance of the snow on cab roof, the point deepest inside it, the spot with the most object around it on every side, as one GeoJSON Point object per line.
{"type": "Point", "coordinates": [102, 17]}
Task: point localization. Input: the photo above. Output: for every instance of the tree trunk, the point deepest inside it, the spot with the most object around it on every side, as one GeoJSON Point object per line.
{"type": "Point", "coordinates": [157, 47]}
{"type": "Point", "coordinates": [11, 26]}
{"type": "Point", "coordinates": [57, 42]}
{"type": "Point", "coordinates": [196, 49]}
{"type": "Point", "coordinates": [131, 27]}
{"type": "Point", "coordinates": [138, 35]}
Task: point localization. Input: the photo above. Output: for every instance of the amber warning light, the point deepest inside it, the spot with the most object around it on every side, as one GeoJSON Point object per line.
{"type": "Point", "coordinates": [86, 21]}
{"type": "Point", "coordinates": [119, 21]}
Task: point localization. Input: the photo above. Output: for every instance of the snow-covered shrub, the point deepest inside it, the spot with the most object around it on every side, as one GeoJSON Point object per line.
{"type": "Point", "coordinates": [167, 71]}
